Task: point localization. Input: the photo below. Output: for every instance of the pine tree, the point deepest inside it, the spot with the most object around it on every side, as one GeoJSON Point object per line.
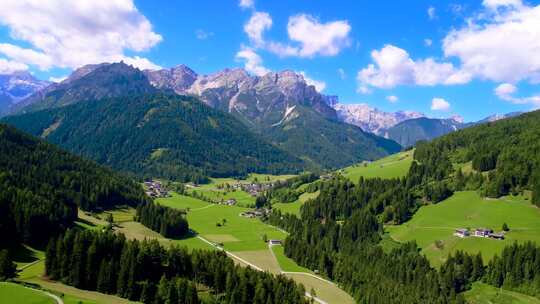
{"type": "Point", "coordinates": [8, 269]}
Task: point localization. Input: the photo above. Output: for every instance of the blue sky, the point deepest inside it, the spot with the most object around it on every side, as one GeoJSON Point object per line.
{"type": "Point", "coordinates": [443, 58]}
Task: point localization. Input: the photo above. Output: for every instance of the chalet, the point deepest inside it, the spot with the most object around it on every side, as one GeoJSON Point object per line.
{"type": "Point", "coordinates": [462, 232]}
{"type": "Point", "coordinates": [230, 202]}
{"type": "Point", "coordinates": [482, 232]}
{"type": "Point", "coordinates": [274, 242]}
{"type": "Point", "coordinates": [497, 236]}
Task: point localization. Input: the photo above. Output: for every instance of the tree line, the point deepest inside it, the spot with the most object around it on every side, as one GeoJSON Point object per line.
{"type": "Point", "coordinates": [169, 222]}
{"type": "Point", "coordinates": [147, 272]}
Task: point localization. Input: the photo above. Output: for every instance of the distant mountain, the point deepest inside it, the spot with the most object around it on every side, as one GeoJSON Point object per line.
{"type": "Point", "coordinates": [90, 82]}
{"type": "Point", "coordinates": [282, 108]}
{"type": "Point", "coordinates": [158, 135]}
{"type": "Point", "coordinates": [371, 119]}
{"type": "Point", "coordinates": [408, 132]}
{"type": "Point", "coordinates": [16, 87]}
{"type": "Point", "coordinates": [496, 117]}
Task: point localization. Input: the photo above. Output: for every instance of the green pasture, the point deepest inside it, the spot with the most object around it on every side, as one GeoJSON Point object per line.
{"type": "Point", "coordinates": [468, 210]}
{"type": "Point", "coordinates": [486, 294]}
{"type": "Point", "coordinates": [15, 293]}
{"type": "Point", "coordinates": [395, 165]}
{"type": "Point", "coordinates": [294, 207]}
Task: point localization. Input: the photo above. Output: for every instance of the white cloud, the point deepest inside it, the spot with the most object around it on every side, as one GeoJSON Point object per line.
{"type": "Point", "coordinates": [202, 34]}
{"type": "Point", "coordinates": [342, 74]}
{"type": "Point", "coordinates": [140, 63]}
{"type": "Point", "coordinates": [318, 84]}
{"type": "Point", "coordinates": [439, 104]}
{"type": "Point", "coordinates": [252, 61]}
{"type": "Point", "coordinates": [247, 3]}
{"type": "Point", "coordinates": [499, 45]}
{"type": "Point", "coordinates": [9, 67]}
{"type": "Point", "coordinates": [308, 36]}
{"type": "Point", "coordinates": [505, 91]}
{"type": "Point", "coordinates": [432, 14]}
{"type": "Point", "coordinates": [57, 79]}
{"type": "Point", "coordinates": [256, 26]}
{"type": "Point", "coordinates": [316, 38]}
{"type": "Point", "coordinates": [392, 98]}
{"type": "Point", "coordinates": [428, 42]}
{"type": "Point", "coordinates": [393, 66]}
{"type": "Point", "coordinates": [494, 4]}
{"type": "Point", "coordinates": [69, 34]}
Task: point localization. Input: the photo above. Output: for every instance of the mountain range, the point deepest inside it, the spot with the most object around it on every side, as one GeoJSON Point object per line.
{"type": "Point", "coordinates": [278, 111]}
{"type": "Point", "coordinates": [16, 87]}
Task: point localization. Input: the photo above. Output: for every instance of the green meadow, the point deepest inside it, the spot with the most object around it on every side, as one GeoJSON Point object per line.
{"type": "Point", "coordinates": [294, 207]}
{"type": "Point", "coordinates": [486, 294]}
{"type": "Point", "coordinates": [15, 293]}
{"type": "Point", "coordinates": [395, 165]}
{"type": "Point", "coordinates": [285, 263]}
{"type": "Point", "coordinates": [223, 224]}
{"type": "Point", "coordinates": [433, 226]}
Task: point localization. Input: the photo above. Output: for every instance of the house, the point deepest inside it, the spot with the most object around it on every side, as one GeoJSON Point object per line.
{"type": "Point", "coordinates": [497, 236]}
{"type": "Point", "coordinates": [462, 232]}
{"type": "Point", "coordinates": [482, 232]}
{"type": "Point", "coordinates": [230, 202]}
{"type": "Point", "coordinates": [274, 242]}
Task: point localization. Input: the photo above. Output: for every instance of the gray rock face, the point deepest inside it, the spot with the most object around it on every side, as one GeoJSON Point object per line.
{"type": "Point", "coordinates": [371, 119]}
{"type": "Point", "coordinates": [16, 87]}
{"type": "Point", "coordinates": [259, 101]}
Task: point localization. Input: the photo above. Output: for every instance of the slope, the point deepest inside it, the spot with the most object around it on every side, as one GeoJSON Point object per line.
{"type": "Point", "coordinates": [408, 132]}
{"type": "Point", "coordinates": [41, 187]}
{"type": "Point", "coordinates": [158, 135]}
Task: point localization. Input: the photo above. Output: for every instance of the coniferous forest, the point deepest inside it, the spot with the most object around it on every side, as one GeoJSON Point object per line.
{"type": "Point", "coordinates": [41, 187]}
{"type": "Point", "coordinates": [147, 272]}
{"type": "Point", "coordinates": [170, 223]}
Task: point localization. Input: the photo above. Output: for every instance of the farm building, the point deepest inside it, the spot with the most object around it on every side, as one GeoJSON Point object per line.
{"type": "Point", "coordinates": [274, 242]}
{"type": "Point", "coordinates": [462, 232]}
{"type": "Point", "coordinates": [482, 232]}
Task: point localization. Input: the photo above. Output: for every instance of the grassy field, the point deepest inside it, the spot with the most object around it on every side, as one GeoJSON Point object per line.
{"type": "Point", "coordinates": [395, 165]}
{"type": "Point", "coordinates": [14, 293]}
{"type": "Point", "coordinates": [468, 210]}
{"type": "Point", "coordinates": [237, 234]}
{"type": "Point", "coordinates": [328, 292]}
{"type": "Point", "coordinates": [294, 207]}
{"type": "Point", "coordinates": [486, 294]}
{"type": "Point", "coordinates": [286, 263]}
{"type": "Point", "coordinates": [261, 258]}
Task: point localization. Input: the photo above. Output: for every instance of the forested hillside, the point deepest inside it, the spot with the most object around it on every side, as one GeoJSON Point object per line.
{"type": "Point", "coordinates": [41, 187]}
{"type": "Point", "coordinates": [147, 272]}
{"type": "Point", "coordinates": [339, 232]}
{"type": "Point", "coordinates": [158, 135]}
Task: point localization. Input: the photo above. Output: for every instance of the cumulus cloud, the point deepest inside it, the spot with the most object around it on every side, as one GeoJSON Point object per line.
{"type": "Point", "coordinates": [69, 34]}
{"type": "Point", "coordinates": [308, 36]}
{"type": "Point", "coordinates": [9, 66]}
{"type": "Point", "coordinates": [318, 84]}
{"type": "Point", "coordinates": [246, 3]}
{"type": "Point", "coordinates": [392, 98]}
{"type": "Point", "coordinates": [501, 45]}
{"type": "Point", "coordinates": [393, 66]}
{"type": "Point", "coordinates": [506, 91]}
{"type": "Point", "coordinates": [256, 26]}
{"type": "Point", "coordinates": [439, 104]}
{"type": "Point", "coordinates": [252, 61]}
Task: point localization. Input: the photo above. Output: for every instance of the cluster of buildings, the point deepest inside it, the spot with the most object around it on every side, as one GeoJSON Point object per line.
{"type": "Point", "coordinates": [155, 189]}
{"type": "Point", "coordinates": [254, 189]}
{"type": "Point", "coordinates": [229, 202]}
{"type": "Point", "coordinates": [255, 213]}
{"type": "Point", "coordinates": [479, 232]}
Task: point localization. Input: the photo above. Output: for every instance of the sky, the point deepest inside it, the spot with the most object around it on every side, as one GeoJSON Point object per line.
{"type": "Point", "coordinates": [442, 58]}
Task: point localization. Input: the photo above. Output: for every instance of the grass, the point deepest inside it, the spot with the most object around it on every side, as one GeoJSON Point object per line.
{"type": "Point", "coordinates": [486, 294]}
{"type": "Point", "coordinates": [468, 210]}
{"type": "Point", "coordinates": [328, 292]}
{"type": "Point", "coordinates": [395, 165]}
{"type": "Point", "coordinates": [15, 293]}
{"type": "Point", "coordinates": [203, 217]}
{"type": "Point", "coordinates": [261, 258]}
{"type": "Point", "coordinates": [286, 263]}
{"type": "Point", "coordinates": [294, 207]}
